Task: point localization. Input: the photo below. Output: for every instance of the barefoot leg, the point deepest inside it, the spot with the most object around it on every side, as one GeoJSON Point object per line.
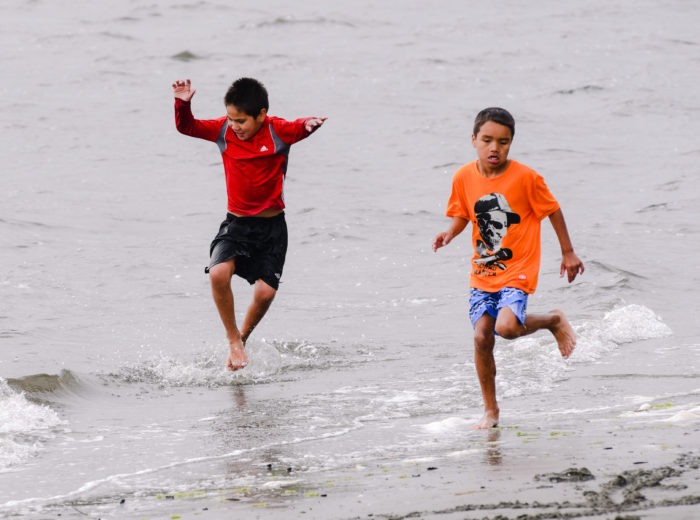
{"type": "Point", "coordinates": [220, 276]}
{"type": "Point", "coordinates": [484, 342]}
{"type": "Point", "coordinates": [262, 299]}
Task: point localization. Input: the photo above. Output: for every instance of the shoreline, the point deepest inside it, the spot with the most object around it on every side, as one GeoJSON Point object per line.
{"type": "Point", "coordinates": [517, 472]}
{"type": "Point", "coordinates": [571, 454]}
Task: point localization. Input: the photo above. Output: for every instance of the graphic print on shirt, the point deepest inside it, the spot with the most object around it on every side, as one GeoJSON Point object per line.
{"type": "Point", "coordinates": [494, 217]}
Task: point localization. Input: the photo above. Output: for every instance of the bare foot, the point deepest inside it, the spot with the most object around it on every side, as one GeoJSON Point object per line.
{"type": "Point", "coordinates": [236, 356]}
{"type": "Point", "coordinates": [489, 420]}
{"type": "Point", "coordinates": [564, 334]}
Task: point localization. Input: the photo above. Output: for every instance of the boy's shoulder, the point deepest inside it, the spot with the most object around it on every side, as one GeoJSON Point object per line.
{"type": "Point", "coordinates": [522, 168]}
{"type": "Point", "coordinates": [279, 124]}
{"type": "Point", "coordinates": [465, 171]}
{"type": "Point", "coordinates": [275, 120]}
{"type": "Point", "coordinates": [527, 175]}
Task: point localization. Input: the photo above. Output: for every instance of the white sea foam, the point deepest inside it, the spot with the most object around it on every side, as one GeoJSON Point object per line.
{"type": "Point", "coordinates": [534, 364]}
{"type": "Point", "coordinates": [24, 426]}
{"type": "Point", "coordinates": [665, 411]}
{"type": "Point", "coordinates": [405, 396]}
{"type": "Point", "coordinates": [642, 399]}
{"type": "Point", "coordinates": [449, 424]}
{"type": "Point", "coordinates": [277, 484]}
{"type": "Point", "coordinates": [205, 369]}
{"type": "Point", "coordinates": [685, 416]}
{"type": "Point", "coordinates": [266, 360]}
{"type": "Point", "coordinates": [634, 323]}
{"type": "Point", "coordinates": [679, 415]}
{"type": "Point", "coordinates": [625, 324]}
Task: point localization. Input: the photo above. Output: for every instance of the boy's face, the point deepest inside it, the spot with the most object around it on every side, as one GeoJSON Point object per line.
{"type": "Point", "coordinates": [243, 125]}
{"type": "Point", "coordinates": [492, 144]}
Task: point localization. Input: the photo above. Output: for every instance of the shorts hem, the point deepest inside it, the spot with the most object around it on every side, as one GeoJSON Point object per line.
{"type": "Point", "coordinates": [481, 302]}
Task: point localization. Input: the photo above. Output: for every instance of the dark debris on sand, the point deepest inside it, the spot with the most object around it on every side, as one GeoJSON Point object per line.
{"type": "Point", "coordinates": [621, 495]}
{"type": "Point", "coordinates": [568, 475]}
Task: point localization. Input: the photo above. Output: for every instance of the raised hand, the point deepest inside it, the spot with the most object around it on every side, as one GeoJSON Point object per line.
{"type": "Point", "coordinates": [182, 90]}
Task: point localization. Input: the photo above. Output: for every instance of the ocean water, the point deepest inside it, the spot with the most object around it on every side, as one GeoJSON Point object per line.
{"type": "Point", "coordinates": [112, 384]}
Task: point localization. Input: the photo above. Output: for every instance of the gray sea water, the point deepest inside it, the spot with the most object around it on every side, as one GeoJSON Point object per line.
{"type": "Point", "coordinates": [112, 380]}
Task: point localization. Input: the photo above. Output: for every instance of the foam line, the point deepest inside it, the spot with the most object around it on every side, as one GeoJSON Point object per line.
{"type": "Point", "coordinates": [95, 483]}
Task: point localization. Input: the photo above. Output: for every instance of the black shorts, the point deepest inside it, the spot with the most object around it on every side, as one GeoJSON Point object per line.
{"type": "Point", "coordinates": [258, 244]}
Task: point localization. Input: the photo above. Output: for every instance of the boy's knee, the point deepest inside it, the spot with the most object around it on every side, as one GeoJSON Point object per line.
{"type": "Point", "coordinates": [483, 340]}
{"type": "Point", "coordinates": [220, 278]}
{"type": "Point", "coordinates": [264, 293]}
{"type": "Point", "coordinates": [509, 330]}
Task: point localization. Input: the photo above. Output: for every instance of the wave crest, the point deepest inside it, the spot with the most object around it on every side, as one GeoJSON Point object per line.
{"type": "Point", "coordinates": [24, 426]}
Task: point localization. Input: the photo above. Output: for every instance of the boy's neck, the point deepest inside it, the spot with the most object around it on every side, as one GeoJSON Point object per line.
{"type": "Point", "coordinates": [490, 172]}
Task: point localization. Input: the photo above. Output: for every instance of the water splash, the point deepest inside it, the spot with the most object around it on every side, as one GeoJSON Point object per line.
{"type": "Point", "coordinates": [533, 364]}
{"type": "Point", "coordinates": [267, 361]}
{"type": "Point", "coordinates": [24, 426]}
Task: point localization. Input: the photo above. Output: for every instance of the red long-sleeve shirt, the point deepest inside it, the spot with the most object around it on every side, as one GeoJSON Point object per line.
{"type": "Point", "coordinates": [256, 168]}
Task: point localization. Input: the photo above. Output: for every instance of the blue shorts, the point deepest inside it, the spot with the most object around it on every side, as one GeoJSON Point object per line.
{"type": "Point", "coordinates": [491, 302]}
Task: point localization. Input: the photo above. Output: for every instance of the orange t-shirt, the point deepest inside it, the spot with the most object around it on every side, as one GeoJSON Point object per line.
{"type": "Point", "coordinates": [505, 213]}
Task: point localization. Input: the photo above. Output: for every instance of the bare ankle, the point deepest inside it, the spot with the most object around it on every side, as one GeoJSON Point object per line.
{"type": "Point", "coordinates": [489, 420]}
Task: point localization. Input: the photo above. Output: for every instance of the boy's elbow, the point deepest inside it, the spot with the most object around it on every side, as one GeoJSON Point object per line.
{"type": "Point", "coordinates": [183, 129]}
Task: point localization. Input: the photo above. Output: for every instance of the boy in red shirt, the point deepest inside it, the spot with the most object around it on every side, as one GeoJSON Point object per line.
{"type": "Point", "coordinates": [505, 202]}
{"type": "Point", "coordinates": [252, 241]}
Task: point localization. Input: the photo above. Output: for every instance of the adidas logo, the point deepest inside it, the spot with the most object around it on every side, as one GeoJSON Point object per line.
{"type": "Point", "coordinates": [263, 148]}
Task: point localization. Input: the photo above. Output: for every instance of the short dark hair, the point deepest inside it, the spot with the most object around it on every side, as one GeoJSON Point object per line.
{"type": "Point", "coordinates": [248, 95]}
{"type": "Point", "coordinates": [497, 115]}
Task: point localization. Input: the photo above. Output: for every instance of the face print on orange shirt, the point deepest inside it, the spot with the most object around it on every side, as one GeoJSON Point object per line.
{"type": "Point", "coordinates": [494, 217]}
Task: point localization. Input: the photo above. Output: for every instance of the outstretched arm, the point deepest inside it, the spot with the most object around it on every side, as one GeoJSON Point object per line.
{"type": "Point", "coordinates": [570, 263]}
{"type": "Point", "coordinates": [456, 227]}
{"type": "Point", "coordinates": [182, 90]}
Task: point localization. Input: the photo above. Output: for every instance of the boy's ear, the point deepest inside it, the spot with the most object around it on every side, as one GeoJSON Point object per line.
{"type": "Point", "coordinates": [262, 115]}
{"type": "Point", "coordinates": [474, 140]}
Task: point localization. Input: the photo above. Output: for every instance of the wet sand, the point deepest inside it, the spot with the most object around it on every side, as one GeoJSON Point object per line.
{"type": "Point", "coordinates": [642, 463]}
{"type": "Point", "coordinates": [607, 483]}
{"type": "Point", "coordinates": [599, 447]}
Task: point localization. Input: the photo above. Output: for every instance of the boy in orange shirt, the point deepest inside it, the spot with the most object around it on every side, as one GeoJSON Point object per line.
{"type": "Point", "coordinates": [505, 202]}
